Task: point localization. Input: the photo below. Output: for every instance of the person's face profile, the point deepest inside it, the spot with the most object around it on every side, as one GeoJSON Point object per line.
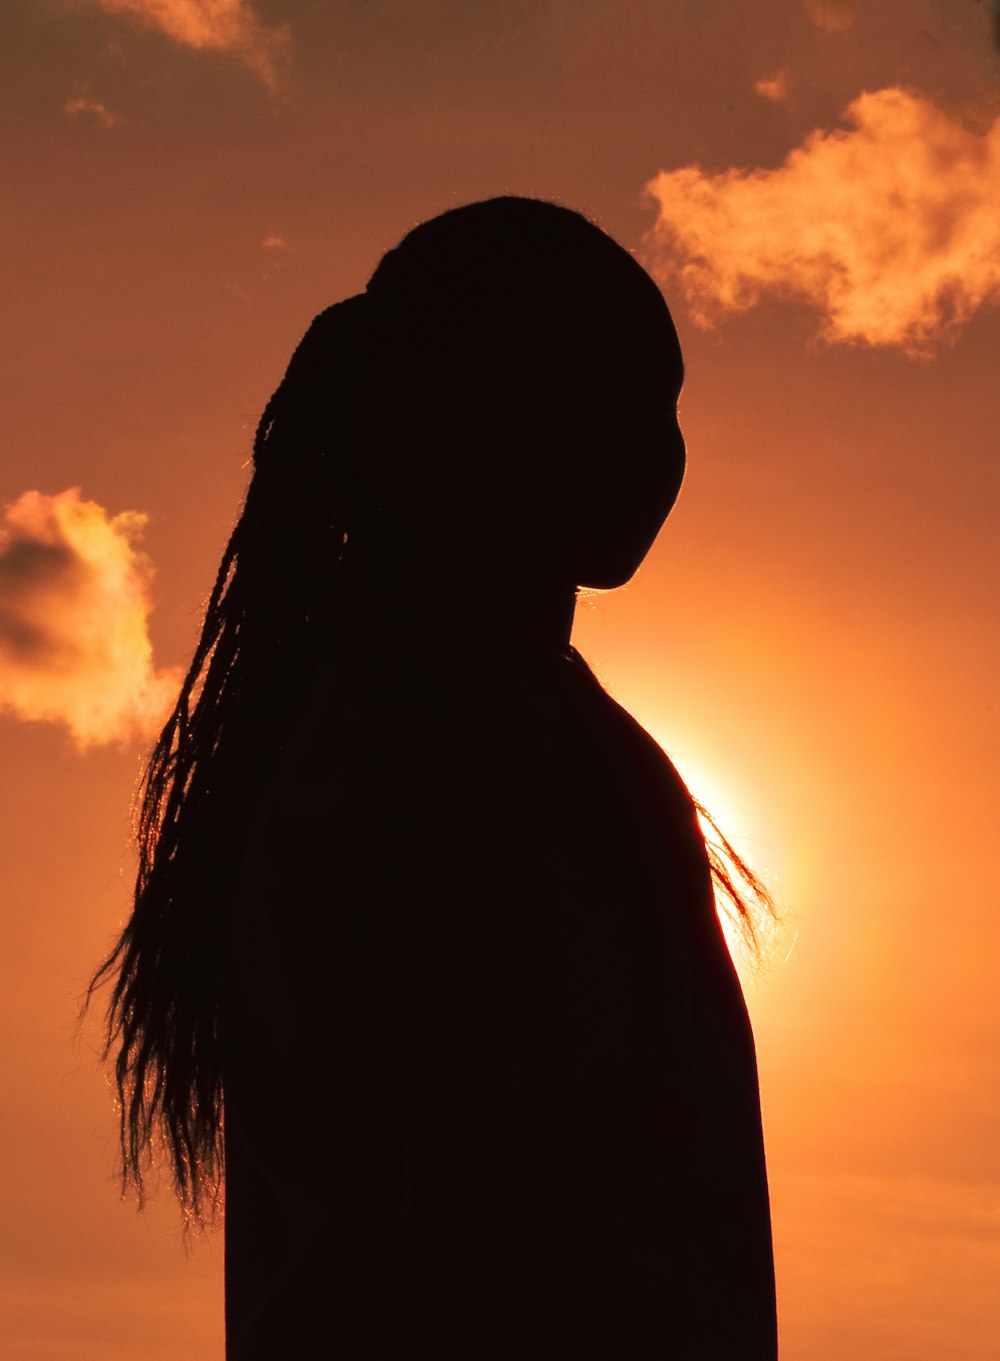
{"type": "Point", "coordinates": [543, 440]}
{"type": "Point", "coordinates": [630, 437]}
{"type": "Point", "coordinates": [585, 436]}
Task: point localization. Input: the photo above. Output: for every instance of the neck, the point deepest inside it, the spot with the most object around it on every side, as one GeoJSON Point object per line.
{"type": "Point", "coordinates": [435, 594]}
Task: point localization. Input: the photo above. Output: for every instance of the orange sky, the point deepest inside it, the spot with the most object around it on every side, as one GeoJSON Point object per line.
{"type": "Point", "coordinates": [813, 636]}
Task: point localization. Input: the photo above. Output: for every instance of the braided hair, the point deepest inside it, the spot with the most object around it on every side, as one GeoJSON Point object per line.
{"type": "Point", "coordinates": [213, 753]}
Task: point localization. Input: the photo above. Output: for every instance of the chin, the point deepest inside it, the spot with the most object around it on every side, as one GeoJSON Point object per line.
{"type": "Point", "coordinates": [610, 554]}
{"type": "Point", "coordinates": [617, 564]}
{"type": "Point", "coordinates": [606, 577]}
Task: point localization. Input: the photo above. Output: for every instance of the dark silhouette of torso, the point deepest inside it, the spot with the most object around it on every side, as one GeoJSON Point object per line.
{"type": "Point", "coordinates": [490, 1081]}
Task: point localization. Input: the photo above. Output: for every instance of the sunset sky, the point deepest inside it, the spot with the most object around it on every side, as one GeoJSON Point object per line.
{"type": "Point", "coordinates": [813, 638]}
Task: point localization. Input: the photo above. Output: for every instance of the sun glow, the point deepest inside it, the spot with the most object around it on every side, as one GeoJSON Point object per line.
{"type": "Point", "coordinates": [714, 793]}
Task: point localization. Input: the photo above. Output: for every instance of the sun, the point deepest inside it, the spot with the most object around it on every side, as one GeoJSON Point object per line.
{"type": "Point", "coordinates": [717, 795]}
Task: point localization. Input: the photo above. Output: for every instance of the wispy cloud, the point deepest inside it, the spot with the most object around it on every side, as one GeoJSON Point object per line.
{"type": "Point", "coordinates": [225, 25]}
{"type": "Point", "coordinates": [891, 227]}
{"type": "Point", "coordinates": [832, 16]}
{"type": "Point", "coordinates": [774, 88]}
{"type": "Point", "coordinates": [95, 108]}
{"type": "Point", "coordinates": [74, 608]}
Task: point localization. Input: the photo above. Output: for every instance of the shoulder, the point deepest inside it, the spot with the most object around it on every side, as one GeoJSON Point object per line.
{"type": "Point", "coordinates": [472, 744]}
{"type": "Point", "coordinates": [387, 709]}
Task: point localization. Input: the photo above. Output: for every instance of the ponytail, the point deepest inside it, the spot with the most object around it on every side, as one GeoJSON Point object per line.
{"type": "Point", "coordinates": [214, 753]}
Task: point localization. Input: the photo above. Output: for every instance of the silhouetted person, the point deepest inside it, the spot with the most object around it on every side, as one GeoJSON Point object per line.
{"type": "Point", "coordinates": [419, 903]}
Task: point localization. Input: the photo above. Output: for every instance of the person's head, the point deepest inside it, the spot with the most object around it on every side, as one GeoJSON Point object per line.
{"type": "Point", "coordinates": [504, 390]}
{"type": "Point", "coordinates": [502, 395]}
{"type": "Point", "coordinates": [521, 401]}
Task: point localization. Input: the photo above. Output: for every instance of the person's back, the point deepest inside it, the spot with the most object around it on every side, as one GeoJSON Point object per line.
{"type": "Point", "coordinates": [489, 1059]}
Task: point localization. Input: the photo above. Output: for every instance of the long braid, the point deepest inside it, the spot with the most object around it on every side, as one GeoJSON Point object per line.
{"type": "Point", "coordinates": [208, 762]}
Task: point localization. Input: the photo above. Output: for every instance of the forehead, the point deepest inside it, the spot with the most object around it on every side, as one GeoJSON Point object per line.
{"type": "Point", "coordinates": [627, 312]}
{"type": "Point", "coordinates": [573, 313]}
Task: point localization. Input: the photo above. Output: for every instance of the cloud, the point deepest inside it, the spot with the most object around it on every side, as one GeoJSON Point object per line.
{"type": "Point", "coordinates": [100, 111]}
{"type": "Point", "coordinates": [225, 25]}
{"type": "Point", "coordinates": [775, 88]}
{"type": "Point", "coordinates": [890, 227]}
{"type": "Point", "coordinates": [74, 606]}
{"type": "Point", "coordinates": [832, 16]}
